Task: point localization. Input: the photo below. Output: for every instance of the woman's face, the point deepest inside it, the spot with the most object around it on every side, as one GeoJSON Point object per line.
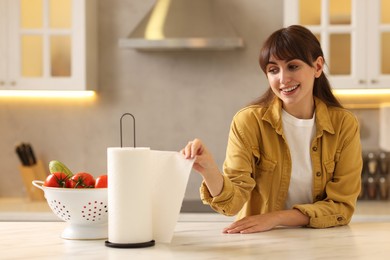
{"type": "Point", "coordinates": [293, 81]}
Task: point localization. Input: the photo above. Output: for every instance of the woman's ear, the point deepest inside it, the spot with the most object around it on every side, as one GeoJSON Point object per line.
{"type": "Point", "coordinates": [319, 66]}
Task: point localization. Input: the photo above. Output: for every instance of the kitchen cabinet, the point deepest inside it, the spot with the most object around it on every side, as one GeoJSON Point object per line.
{"type": "Point", "coordinates": [355, 37]}
{"type": "Point", "coordinates": [48, 45]}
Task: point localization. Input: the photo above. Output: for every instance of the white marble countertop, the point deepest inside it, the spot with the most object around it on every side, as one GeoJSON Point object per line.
{"type": "Point", "coordinates": [203, 240]}
{"type": "Point", "coordinates": [29, 230]}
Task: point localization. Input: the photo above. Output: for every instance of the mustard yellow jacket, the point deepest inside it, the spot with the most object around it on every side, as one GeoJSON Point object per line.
{"type": "Point", "coordinates": [257, 167]}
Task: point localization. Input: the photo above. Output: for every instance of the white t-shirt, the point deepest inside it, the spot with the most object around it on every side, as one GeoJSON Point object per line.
{"type": "Point", "coordinates": [299, 134]}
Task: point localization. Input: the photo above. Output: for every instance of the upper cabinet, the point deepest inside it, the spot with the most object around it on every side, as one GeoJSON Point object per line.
{"type": "Point", "coordinates": [355, 37]}
{"type": "Point", "coordinates": [48, 45]}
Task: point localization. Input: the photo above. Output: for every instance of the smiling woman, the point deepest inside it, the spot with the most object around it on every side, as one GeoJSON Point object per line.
{"type": "Point", "coordinates": [289, 154]}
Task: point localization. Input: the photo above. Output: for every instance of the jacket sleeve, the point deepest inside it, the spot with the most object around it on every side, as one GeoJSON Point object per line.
{"type": "Point", "coordinates": [238, 182]}
{"type": "Point", "coordinates": [341, 192]}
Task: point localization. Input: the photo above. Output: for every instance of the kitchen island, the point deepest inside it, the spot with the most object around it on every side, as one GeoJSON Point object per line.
{"type": "Point", "coordinates": [201, 238]}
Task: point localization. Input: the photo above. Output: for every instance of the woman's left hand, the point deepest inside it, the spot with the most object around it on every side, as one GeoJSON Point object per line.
{"type": "Point", "coordinates": [268, 221]}
{"type": "Point", "coordinates": [252, 224]}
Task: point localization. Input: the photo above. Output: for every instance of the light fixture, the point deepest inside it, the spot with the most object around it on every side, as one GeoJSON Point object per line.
{"type": "Point", "coordinates": [356, 92]}
{"type": "Point", "coordinates": [362, 98]}
{"type": "Point", "coordinates": [47, 94]}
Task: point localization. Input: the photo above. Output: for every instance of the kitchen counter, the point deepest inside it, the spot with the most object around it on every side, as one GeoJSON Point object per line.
{"type": "Point", "coordinates": [202, 239]}
{"type": "Point", "coordinates": [29, 230]}
{"type": "Point", "coordinates": [22, 209]}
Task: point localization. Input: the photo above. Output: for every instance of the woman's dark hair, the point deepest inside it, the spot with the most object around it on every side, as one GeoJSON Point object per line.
{"type": "Point", "coordinates": [295, 42]}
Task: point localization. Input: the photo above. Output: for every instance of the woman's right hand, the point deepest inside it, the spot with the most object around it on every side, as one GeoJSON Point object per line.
{"type": "Point", "coordinates": [204, 161]}
{"type": "Point", "coordinates": [204, 164]}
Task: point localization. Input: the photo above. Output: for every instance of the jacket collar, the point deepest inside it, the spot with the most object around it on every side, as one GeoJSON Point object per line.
{"type": "Point", "coordinates": [273, 115]}
{"type": "Point", "coordinates": [322, 117]}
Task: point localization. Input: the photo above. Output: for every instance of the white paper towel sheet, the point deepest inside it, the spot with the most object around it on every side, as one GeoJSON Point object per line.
{"type": "Point", "coordinates": [145, 193]}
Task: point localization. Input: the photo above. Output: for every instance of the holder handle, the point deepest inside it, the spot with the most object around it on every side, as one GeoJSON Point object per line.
{"type": "Point", "coordinates": [121, 136]}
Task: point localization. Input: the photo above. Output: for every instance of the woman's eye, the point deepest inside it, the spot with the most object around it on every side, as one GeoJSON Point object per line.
{"type": "Point", "coordinates": [273, 70]}
{"type": "Point", "coordinates": [292, 67]}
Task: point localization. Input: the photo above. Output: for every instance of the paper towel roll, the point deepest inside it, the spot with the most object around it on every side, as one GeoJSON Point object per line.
{"type": "Point", "coordinates": [384, 128]}
{"type": "Point", "coordinates": [145, 192]}
{"type": "Point", "coordinates": [129, 196]}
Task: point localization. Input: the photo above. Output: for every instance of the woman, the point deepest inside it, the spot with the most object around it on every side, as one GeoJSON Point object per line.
{"type": "Point", "coordinates": [294, 156]}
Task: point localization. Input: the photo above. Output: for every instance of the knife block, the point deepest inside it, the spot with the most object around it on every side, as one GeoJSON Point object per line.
{"type": "Point", "coordinates": [30, 173]}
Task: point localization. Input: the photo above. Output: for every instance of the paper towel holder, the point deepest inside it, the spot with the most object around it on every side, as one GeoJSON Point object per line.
{"type": "Point", "coordinates": [121, 135]}
{"type": "Point", "coordinates": [129, 245]}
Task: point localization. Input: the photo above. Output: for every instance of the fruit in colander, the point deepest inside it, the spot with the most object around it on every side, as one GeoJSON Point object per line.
{"type": "Point", "coordinates": [101, 181]}
{"type": "Point", "coordinates": [57, 166]}
{"type": "Point", "coordinates": [57, 179]}
{"type": "Point", "coordinates": [84, 210]}
{"type": "Point", "coordinates": [82, 180]}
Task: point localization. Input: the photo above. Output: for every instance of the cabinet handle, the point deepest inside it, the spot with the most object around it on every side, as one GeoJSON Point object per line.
{"type": "Point", "coordinates": [13, 83]}
{"type": "Point", "coordinates": [374, 81]}
{"type": "Point", "coordinates": [2, 83]}
{"type": "Point", "coordinates": [362, 81]}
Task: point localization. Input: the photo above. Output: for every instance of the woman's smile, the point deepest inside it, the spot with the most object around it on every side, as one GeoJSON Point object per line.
{"type": "Point", "coordinates": [289, 90]}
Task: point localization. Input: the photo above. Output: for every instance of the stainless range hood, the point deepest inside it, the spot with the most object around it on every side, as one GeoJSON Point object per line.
{"type": "Point", "coordinates": [183, 25]}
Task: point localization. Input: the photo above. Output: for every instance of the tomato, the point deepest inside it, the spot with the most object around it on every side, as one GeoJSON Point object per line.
{"type": "Point", "coordinates": [101, 181]}
{"type": "Point", "coordinates": [57, 179]}
{"type": "Point", "coordinates": [82, 180]}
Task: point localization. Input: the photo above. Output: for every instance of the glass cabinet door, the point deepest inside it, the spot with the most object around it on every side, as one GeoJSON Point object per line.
{"type": "Point", "coordinates": [332, 21]}
{"type": "Point", "coordinates": [378, 37]}
{"type": "Point", "coordinates": [45, 38]}
{"type": "Point", "coordinates": [310, 12]}
{"type": "Point", "coordinates": [46, 44]}
{"type": "Point", "coordinates": [340, 46]}
{"type": "Point", "coordinates": [355, 37]}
